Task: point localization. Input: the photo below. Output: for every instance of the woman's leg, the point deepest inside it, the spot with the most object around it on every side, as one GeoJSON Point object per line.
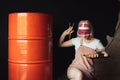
{"type": "Point", "coordinates": [74, 74]}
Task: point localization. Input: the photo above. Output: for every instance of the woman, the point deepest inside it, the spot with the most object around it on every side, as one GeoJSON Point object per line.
{"type": "Point", "coordinates": [86, 48]}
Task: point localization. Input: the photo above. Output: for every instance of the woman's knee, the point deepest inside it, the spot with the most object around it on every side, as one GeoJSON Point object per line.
{"type": "Point", "coordinates": [74, 73]}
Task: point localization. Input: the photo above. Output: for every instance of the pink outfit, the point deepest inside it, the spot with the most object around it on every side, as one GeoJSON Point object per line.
{"type": "Point", "coordinates": [82, 63]}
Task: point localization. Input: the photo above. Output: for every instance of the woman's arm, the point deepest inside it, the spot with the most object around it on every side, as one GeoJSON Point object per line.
{"type": "Point", "coordinates": [63, 43]}
{"type": "Point", "coordinates": [100, 52]}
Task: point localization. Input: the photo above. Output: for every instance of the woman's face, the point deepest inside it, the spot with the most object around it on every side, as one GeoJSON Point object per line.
{"type": "Point", "coordinates": [84, 29]}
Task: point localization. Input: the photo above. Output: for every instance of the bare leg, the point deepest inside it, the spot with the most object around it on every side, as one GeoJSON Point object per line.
{"type": "Point", "coordinates": [74, 74]}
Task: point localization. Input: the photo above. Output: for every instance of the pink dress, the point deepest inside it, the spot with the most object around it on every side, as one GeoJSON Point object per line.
{"type": "Point", "coordinates": [82, 63]}
{"type": "Point", "coordinates": [85, 65]}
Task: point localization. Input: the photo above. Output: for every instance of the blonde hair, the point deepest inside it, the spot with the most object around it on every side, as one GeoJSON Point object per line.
{"type": "Point", "coordinates": [91, 28]}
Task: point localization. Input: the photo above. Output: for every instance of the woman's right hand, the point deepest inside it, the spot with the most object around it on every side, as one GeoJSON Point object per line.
{"type": "Point", "coordinates": [68, 31]}
{"type": "Point", "coordinates": [68, 43]}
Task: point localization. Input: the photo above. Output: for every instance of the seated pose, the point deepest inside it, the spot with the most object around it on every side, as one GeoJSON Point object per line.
{"type": "Point", "coordinates": [86, 48]}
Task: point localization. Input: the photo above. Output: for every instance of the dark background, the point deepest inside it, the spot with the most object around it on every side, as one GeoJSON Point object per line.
{"type": "Point", "coordinates": [102, 13]}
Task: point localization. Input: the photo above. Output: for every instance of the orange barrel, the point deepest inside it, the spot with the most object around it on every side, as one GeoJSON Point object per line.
{"type": "Point", "coordinates": [30, 46]}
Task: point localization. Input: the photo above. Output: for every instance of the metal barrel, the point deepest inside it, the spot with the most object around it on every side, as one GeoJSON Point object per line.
{"type": "Point", "coordinates": [30, 46]}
